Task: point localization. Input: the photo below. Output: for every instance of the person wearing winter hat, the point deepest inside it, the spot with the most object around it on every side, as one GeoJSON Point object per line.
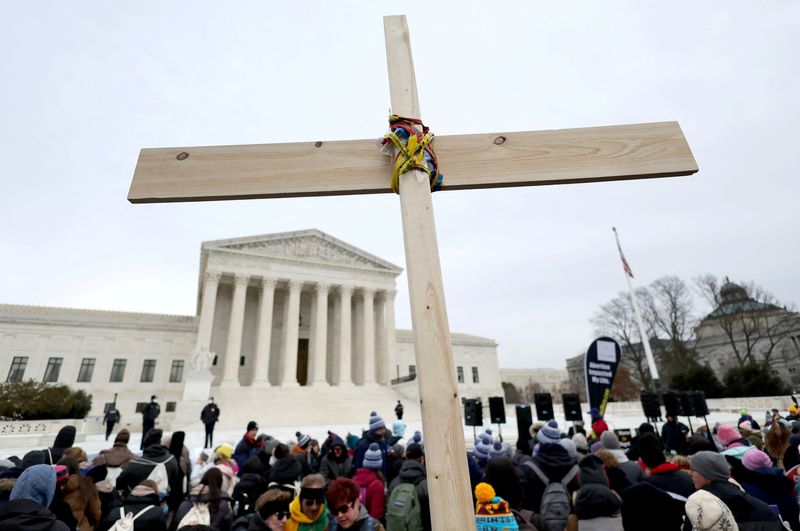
{"type": "Point", "coordinates": [412, 472]}
{"type": "Point", "coordinates": [595, 502]}
{"type": "Point", "coordinates": [710, 471]}
{"type": "Point", "coordinates": [336, 463]}
{"type": "Point", "coordinates": [118, 455]}
{"type": "Point", "coordinates": [375, 434]}
{"type": "Point", "coordinates": [370, 479]}
{"type": "Point", "coordinates": [549, 433]}
{"type": "Point", "coordinates": [492, 513]}
{"type": "Point", "coordinates": [752, 435]}
{"type": "Point", "coordinates": [29, 500]}
{"type": "Point", "coordinates": [760, 479]}
{"type": "Point", "coordinates": [144, 499]}
{"type": "Point", "coordinates": [581, 445]}
{"type": "Point", "coordinates": [633, 472]}
{"type": "Point", "coordinates": [706, 512]}
{"type": "Point", "coordinates": [482, 448]}
{"type": "Point", "coordinates": [551, 463]}
{"type": "Point", "coordinates": [633, 451]}
{"type": "Point", "coordinates": [308, 511]}
{"type": "Point", "coordinates": [598, 424]}
{"type": "Point", "coordinates": [569, 446]}
{"type": "Point", "coordinates": [139, 469]}
{"type": "Point", "coordinates": [498, 449]}
{"type": "Point", "coordinates": [729, 437]}
{"type": "Point", "coordinates": [272, 511]}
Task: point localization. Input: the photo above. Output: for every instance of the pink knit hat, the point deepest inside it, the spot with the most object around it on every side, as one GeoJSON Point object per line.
{"type": "Point", "coordinates": [755, 458]}
{"type": "Point", "coordinates": [746, 425]}
{"type": "Point", "coordinates": [727, 435]}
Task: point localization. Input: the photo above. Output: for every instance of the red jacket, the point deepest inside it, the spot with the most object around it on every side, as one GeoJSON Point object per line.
{"type": "Point", "coordinates": [598, 427]}
{"type": "Point", "coordinates": [372, 493]}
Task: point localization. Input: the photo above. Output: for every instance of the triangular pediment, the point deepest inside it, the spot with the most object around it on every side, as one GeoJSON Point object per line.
{"type": "Point", "coordinates": [305, 246]}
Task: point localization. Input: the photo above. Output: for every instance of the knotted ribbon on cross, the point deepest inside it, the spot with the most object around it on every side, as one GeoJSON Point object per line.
{"type": "Point", "coordinates": [414, 150]}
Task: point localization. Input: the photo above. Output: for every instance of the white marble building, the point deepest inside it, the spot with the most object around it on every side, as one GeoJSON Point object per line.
{"type": "Point", "coordinates": [283, 320]}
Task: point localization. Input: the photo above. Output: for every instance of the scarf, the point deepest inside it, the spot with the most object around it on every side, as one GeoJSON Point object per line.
{"type": "Point", "coordinates": [299, 522]}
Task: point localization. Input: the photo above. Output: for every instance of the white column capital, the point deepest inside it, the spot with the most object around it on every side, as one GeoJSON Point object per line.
{"type": "Point", "coordinates": [212, 277]}
{"type": "Point", "coordinates": [268, 282]}
{"type": "Point", "coordinates": [346, 289]}
{"type": "Point", "coordinates": [241, 280]}
{"type": "Point", "coordinates": [389, 294]}
{"type": "Point", "coordinates": [295, 285]}
{"type": "Point", "coordinates": [322, 287]}
{"type": "Point", "coordinates": [367, 292]}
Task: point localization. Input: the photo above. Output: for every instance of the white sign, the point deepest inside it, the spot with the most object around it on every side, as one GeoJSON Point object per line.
{"type": "Point", "coordinates": [606, 352]}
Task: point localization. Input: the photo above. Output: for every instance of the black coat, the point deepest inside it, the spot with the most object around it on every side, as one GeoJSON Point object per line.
{"type": "Point", "coordinates": [27, 515]}
{"type": "Point", "coordinates": [136, 471]}
{"type": "Point", "coordinates": [647, 507]}
{"type": "Point", "coordinates": [247, 492]}
{"type": "Point", "coordinates": [412, 471]}
{"type": "Point", "coordinates": [555, 462]}
{"type": "Point", "coordinates": [749, 513]}
{"type": "Point", "coordinates": [153, 519]}
{"type": "Point", "coordinates": [669, 478]}
{"type": "Point", "coordinates": [210, 414]}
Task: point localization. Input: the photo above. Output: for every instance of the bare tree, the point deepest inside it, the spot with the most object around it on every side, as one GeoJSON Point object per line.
{"type": "Point", "coordinates": [669, 314]}
{"type": "Point", "coordinates": [616, 320]}
{"type": "Point", "coordinates": [752, 320]}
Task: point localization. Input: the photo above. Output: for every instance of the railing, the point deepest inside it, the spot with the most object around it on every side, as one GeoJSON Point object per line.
{"type": "Point", "coordinates": [404, 379]}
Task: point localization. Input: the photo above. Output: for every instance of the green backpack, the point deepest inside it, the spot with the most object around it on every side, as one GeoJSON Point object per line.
{"type": "Point", "coordinates": [403, 512]}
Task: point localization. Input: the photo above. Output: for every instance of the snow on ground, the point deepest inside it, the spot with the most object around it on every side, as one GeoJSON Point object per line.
{"type": "Point", "coordinates": [194, 439]}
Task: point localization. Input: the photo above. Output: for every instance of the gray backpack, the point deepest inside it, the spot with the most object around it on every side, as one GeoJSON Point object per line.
{"type": "Point", "coordinates": [556, 503]}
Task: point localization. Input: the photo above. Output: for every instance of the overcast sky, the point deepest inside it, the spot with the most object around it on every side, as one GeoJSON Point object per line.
{"type": "Point", "coordinates": [85, 85]}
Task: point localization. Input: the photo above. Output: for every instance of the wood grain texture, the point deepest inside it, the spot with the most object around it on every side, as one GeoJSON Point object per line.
{"type": "Point", "coordinates": [487, 160]}
{"type": "Point", "coordinates": [445, 451]}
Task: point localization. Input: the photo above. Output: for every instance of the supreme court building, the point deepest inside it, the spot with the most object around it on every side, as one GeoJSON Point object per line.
{"type": "Point", "coordinates": [291, 322]}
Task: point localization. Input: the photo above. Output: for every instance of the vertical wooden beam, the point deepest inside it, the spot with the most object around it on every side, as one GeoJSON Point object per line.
{"type": "Point", "coordinates": [445, 450]}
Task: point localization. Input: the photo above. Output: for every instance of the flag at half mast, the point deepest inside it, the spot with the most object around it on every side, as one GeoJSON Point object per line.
{"type": "Point", "coordinates": [625, 265]}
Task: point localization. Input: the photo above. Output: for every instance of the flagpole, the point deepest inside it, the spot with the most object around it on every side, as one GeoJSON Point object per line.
{"type": "Point", "coordinates": [651, 364]}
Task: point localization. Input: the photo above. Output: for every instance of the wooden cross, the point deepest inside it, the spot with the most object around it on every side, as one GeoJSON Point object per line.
{"type": "Point", "coordinates": [467, 161]}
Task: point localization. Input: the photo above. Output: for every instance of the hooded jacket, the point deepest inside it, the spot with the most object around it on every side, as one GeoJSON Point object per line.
{"type": "Point", "coordinates": [375, 498]}
{"type": "Point", "coordinates": [27, 508]}
{"type": "Point", "coordinates": [64, 439]}
{"type": "Point", "coordinates": [117, 456]}
{"type": "Point", "coordinates": [555, 462]}
{"type": "Point", "coordinates": [412, 471]}
{"type": "Point", "coordinates": [330, 467]}
{"type": "Point", "coordinates": [594, 499]}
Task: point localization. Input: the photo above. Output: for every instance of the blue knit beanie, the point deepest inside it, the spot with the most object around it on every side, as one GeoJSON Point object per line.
{"type": "Point", "coordinates": [373, 458]}
{"type": "Point", "coordinates": [498, 450]}
{"type": "Point", "coordinates": [375, 422]}
{"type": "Point", "coordinates": [549, 434]}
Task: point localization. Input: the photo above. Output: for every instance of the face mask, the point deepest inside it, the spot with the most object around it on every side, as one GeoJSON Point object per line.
{"type": "Point", "coordinates": [210, 401]}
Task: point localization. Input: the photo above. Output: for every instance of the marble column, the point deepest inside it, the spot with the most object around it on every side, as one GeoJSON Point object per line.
{"type": "Point", "coordinates": [345, 341]}
{"type": "Point", "coordinates": [368, 339]}
{"type": "Point", "coordinates": [207, 309]}
{"type": "Point", "coordinates": [264, 334]}
{"type": "Point", "coordinates": [381, 367]}
{"type": "Point", "coordinates": [319, 343]}
{"type": "Point", "coordinates": [233, 351]}
{"type": "Point", "coordinates": [391, 337]}
{"type": "Point", "coordinates": [291, 335]}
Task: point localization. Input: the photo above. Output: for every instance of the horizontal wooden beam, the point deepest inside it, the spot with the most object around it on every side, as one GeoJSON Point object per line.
{"type": "Point", "coordinates": [490, 160]}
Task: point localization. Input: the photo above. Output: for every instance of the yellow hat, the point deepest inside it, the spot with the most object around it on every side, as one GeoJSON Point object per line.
{"type": "Point", "coordinates": [225, 450]}
{"type": "Point", "coordinates": [793, 409]}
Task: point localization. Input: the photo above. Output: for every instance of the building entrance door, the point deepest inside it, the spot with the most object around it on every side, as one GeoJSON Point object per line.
{"type": "Point", "coordinates": [302, 361]}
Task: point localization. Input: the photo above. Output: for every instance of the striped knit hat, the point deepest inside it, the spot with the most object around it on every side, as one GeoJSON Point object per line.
{"type": "Point", "coordinates": [302, 440]}
{"type": "Point", "coordinates": [549, 434]}
{"type": "Point", "coordinates": [375, 422]}
{"type": "Point", "coordinates": [373, 458]}
{"type": "Point", "coordinates": [498, 450]}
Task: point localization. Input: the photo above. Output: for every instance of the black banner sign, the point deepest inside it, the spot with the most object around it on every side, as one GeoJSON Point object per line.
{"type": "Point", "coordinates": [602, 360]}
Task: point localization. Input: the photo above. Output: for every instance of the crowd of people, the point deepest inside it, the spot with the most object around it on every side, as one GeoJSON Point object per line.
{"type": "Point", "coordinates": [728, 478]}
